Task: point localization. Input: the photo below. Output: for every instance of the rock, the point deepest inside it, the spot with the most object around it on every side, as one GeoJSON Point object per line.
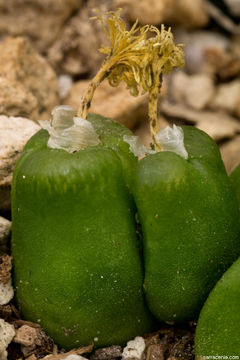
{"type": "Point", "coordinates": [156, 351]}
{"type": "Point", "coordinates": [65, 82]}
{"type": "Point", "coordinates": [231, 153]}
{"type": "Point", "coordinates": [234, 6]}
{"type": "Point", "coordinates": [64, 357]}
{"type": "Point", "coordinates": [7, 311]}
{"type": "Point", "coordinates": [39, 20]}
{"type": "Point", "coordinates": [14, 133]}
{"type": "Point", "coordinates": [205, 51]}
{"type": "Point", "coordinates": [134, 349]}
{"type": "Point", "coordinates": [74, 354]}
{"type": "Point", "coordinates": [6, 289]}
{"type": "Point", "coordinates": [227, 97]}
{"type": "Point", "coordinates": [221, 15]}
{"type": "Point", "coordinates": [32, 339]}
{"type": "Point", "coordinates": [193, 90]}
{"type": "Point", "coordinates": [5, 196]}
{"type": "Point", "coordinates": [6, 292]}
{"type": "Point", "coordinates": [185, 12]}
{"type": "Point", "coordinates": [7, 333]}
{"type": "Point", "coordinates": [15, 99]}
{"type": "Point", "coordinates": [115, 103]}
{"type": "Point", "coordinates": [219, 126]}
{"type": "Point", "coordinates": [27, 350]}
{"type": "Point", "coordinates": [28, 336]}
{"type": "Point", "coordinates": [75, 51]}
{"type": "Point", "coordinates": [34, 79]}
{"type": "Point", "coordinates": [75, 357]}
{"type": "Point", "coordinates": [31, 357]}
{"type": "Point", "coordinates": [216, 124]}
{"type": "Point", "coordinates": [235, 45]}
{"type": "Point", "coordinates": [109, 353]}
{"type": "Point", "coordinates": [146, 11]}
{"type": "Point", "coordinates": [227, 62]}
{"type": "Point", "coordinates": [5, 228]}
{"type": "Point", "coordinates": [5, 269]}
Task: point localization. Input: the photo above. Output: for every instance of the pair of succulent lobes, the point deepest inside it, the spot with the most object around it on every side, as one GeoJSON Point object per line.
{"type": "Point", "coordinates": [74, 231]}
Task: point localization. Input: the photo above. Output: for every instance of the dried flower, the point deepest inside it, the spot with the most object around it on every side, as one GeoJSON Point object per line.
{"type": "Point", "coordinates": [126, 53]}
{"type": "Point", "coordinates": [137, 59]}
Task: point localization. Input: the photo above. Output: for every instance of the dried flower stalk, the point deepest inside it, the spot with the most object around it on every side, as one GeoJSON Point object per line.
{"type": "Point", "coordinates": [136, 59]}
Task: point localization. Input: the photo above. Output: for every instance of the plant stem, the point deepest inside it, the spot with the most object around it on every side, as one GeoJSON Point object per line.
{"type": "Point", "coordinates": [153, 109]}
{"type": "Point", "coordinates": [88, 96]}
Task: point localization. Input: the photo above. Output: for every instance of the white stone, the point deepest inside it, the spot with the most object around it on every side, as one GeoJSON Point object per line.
{"type": "Point", "coordinates": [65, 82]}
{"type": "Point", "coordinates": [134, 349]}
{"type": "Point", "coordinates": [6, 292]}
{"type": "Point", "coordinates": [67, 357]}
{"type": "Point", "coordinates": [5, 228]}
{"type": "Point", "coordinates": [14, 133]}
{"type": "Point", "coordinates": [194, 90]}
{"type": "Point", "coordinates": [7, 333]}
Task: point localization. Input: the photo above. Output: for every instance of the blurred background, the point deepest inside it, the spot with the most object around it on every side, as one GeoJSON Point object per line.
{"type": "Point", "coordinates": [49, 52]}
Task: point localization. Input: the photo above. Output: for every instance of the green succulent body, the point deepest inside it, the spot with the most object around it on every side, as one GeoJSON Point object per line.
{"type": "Point", "coordinates": [235, 181]}
{"type": "Point", "coordinates": [218, 330]}
{"type": "Point", "coordinates": [190, 222]}
{"type": "Point", "coordinates": [77, 268]}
